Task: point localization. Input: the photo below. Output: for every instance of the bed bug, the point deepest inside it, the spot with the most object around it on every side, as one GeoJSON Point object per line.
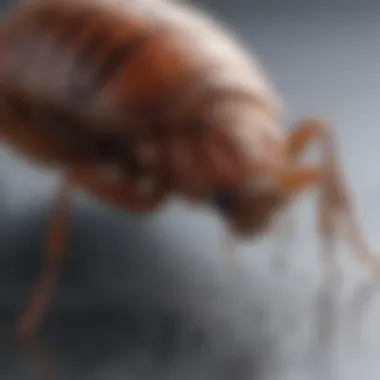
{"type": "Point", "coordinates": [138, 100]}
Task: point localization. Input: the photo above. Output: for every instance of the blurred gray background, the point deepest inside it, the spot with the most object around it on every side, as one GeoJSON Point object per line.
{"type": "Point", "coordinates": [153, 297]}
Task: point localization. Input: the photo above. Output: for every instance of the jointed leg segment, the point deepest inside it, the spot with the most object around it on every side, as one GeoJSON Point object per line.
{"type": "Point", "coordinates": [56, 242]}
{"type": "Point", "coordinates": [325, 177]}
{"type": "Point", "coordinates": [334, 200]}
{"type": "Point", "coordinates": [121, 192]}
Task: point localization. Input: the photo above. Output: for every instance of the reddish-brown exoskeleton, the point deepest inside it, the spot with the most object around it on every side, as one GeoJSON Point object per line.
{"type": "Point", "coordinates": [141, 99]}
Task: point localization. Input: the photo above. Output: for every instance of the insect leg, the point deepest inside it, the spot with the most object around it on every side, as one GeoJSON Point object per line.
{"type": "Point", "coordinates": [296, 180]}
{"type": "Point", "coordinates": [334, 199]}
{"type": "Point", "coordinates": [301, 135]}
{"type": "Point", "coordinates": [55, 247]}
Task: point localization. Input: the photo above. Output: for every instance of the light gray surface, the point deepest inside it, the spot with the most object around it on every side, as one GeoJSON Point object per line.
{"type": "Point", "coordinates": [324, 59]}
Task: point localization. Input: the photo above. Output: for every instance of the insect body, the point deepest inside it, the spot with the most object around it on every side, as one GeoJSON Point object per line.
{"type": "Point", "coordinates": [140, 99]}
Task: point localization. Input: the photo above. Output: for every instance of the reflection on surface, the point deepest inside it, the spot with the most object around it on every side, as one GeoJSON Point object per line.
{"type": "Point", "coordinates": [130, 305]}
{"type": "Point", "coordinates": [359, 310]}
{"type": "Point", "coordinates": [341, 341]}
{"type": "Point", "coordinates": [154, 298]}
{"type": "Point", "coordinates": [326, 324]}
{"type": "Point", "coordinates": [134, 303]}
{"type": "Point", "coordinates": [125, 309]}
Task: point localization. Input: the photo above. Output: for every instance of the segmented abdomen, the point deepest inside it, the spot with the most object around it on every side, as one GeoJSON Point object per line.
{"type": "Point", "coordinates": [138, 87]}
{"type": "Point", "coordinates": [83, 80]}
{"type": "Point", "coordinates": [69, 55]}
